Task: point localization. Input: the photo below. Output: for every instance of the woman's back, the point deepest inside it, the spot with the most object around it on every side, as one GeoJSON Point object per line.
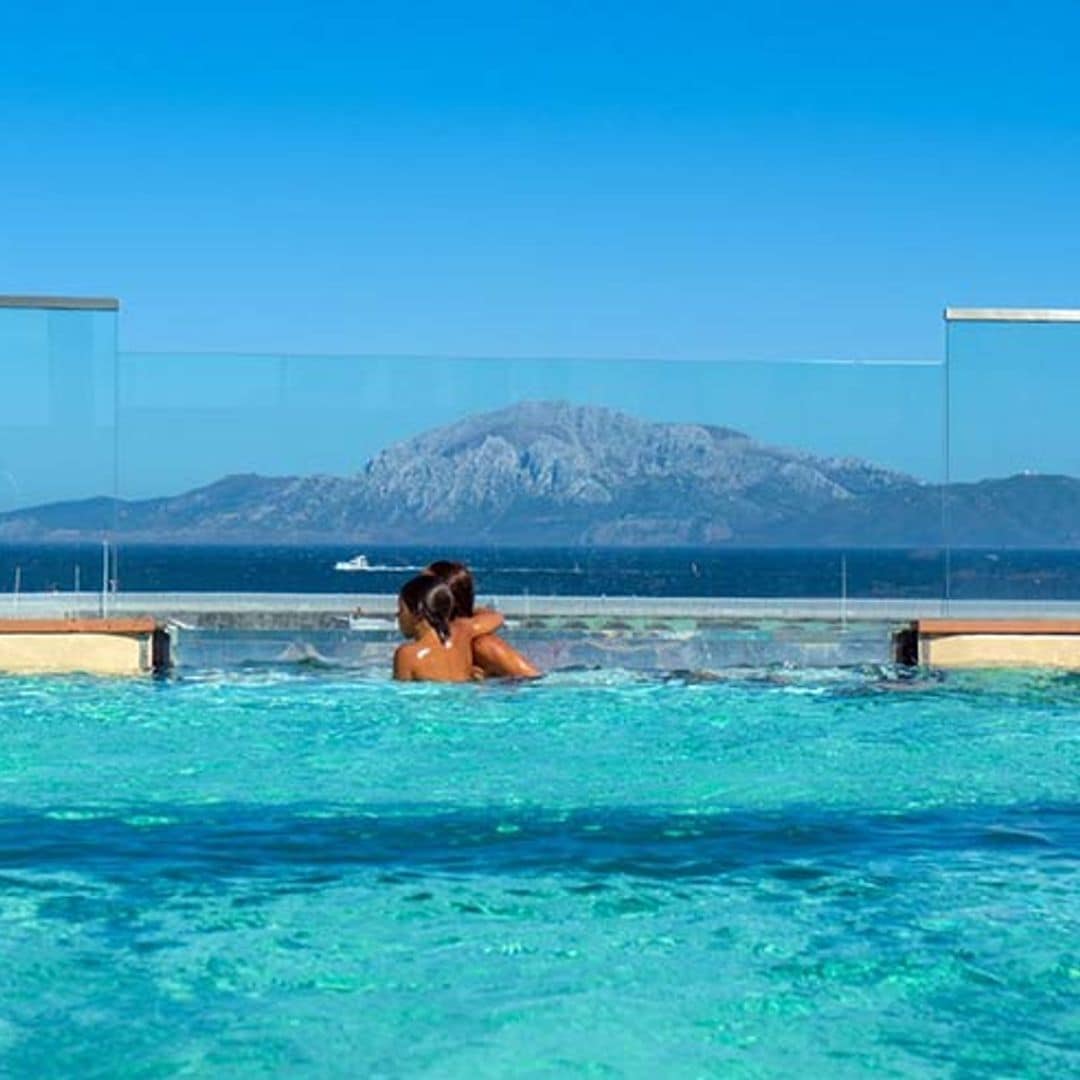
{"type": "Point", "coordinates": [432, 660]}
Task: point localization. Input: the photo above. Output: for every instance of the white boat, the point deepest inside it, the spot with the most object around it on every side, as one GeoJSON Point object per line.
{"type": "Point", "coordinates": [357, 562]}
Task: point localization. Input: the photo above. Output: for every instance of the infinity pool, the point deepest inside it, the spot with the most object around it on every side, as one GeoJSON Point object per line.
{"type": "Point", "coordinates": [759, 873]}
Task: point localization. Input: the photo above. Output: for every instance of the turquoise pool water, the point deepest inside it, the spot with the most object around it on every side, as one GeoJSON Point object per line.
{"type": "Point", "coordinates": [768, 873]}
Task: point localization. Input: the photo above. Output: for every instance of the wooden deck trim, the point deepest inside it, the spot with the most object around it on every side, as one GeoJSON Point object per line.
{"type": "Point", "coordinates": [944, 627]}
{"type": "Point", "coordinates": [144, 625]}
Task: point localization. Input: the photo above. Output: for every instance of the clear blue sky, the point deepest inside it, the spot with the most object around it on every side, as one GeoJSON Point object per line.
{"type": "Point", "coordinates": [606, 178]}
{"type": "Point", "coordinates": [732, 181]}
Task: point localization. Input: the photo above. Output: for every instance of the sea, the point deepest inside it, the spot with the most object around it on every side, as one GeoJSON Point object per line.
{"type": "Point", "coordinates": [501, 571]}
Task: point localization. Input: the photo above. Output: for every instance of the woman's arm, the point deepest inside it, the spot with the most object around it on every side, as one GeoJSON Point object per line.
{"type": "Point", "coordinates": [484, 622]}
{"type": "Point", "coordinates": [499, 658]}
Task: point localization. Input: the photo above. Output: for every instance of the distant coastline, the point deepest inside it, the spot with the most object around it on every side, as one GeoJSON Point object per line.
{"type": "Point", "coordinates": [558, 475]}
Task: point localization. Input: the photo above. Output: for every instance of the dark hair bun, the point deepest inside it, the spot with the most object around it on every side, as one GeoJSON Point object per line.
{"type": "Point", "coordinates": [458, 576]}
{"type": "Point", "coordinates": [430, 599]}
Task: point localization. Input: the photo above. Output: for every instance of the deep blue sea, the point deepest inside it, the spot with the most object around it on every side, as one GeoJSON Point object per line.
{"type": "Point", "coordinates": [1004, 575]}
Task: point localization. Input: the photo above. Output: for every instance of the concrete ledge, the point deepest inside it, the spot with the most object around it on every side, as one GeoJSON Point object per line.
{"type": "Point", "coordinates": [990, 643]}
{"type": "Point", "coordinates": [94, 646]}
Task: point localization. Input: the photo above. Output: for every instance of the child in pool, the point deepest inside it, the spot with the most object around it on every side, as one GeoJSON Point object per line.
{"type": "Point", "coordinates": [491, 654]}
{"type": "Point", "coordinates": [440, 649]}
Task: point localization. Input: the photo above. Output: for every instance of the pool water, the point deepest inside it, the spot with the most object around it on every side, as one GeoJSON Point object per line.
{"type": "Point", "coordinates": [760, 873]}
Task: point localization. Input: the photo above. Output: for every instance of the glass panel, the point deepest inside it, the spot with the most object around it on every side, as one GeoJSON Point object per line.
{"type": "Point", "coordinates": [1013, 506]}
{"type": "Point", "coordinates": [57, 450]}
{"type": "Point", "coordinates": [552, 476]}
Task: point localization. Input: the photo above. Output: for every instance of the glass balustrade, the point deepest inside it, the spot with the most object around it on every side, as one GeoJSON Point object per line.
{"type": "Point", "coordinates": [579, 478]}
{"type": "Point", "coordinates": [564, 476]}
{"type": "Point", "coordinates": [58, 449]}
{"type": "Point", "coordinates": [1013, 502]}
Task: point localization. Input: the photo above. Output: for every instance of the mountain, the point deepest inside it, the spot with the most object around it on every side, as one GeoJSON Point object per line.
{"type": "Point", "coordinates": [541, 473]}
{"type": "Point", "coordinates": [575, 474]}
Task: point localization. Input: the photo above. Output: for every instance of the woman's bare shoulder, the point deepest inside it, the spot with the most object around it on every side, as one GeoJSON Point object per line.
{"type": "Point", "coordinates": [405, 657]}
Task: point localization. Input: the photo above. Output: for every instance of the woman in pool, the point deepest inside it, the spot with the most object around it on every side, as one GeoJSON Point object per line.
{"type": "Point", "coordinates": [491, 654]}
{"type": "Point", "coordinates": [441, 646]}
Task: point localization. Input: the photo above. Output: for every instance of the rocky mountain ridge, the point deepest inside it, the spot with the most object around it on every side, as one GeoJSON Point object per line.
{"type": "Point", "coordinates": [561, 474]}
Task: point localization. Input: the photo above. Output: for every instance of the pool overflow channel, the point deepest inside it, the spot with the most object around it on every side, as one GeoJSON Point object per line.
{"type": "Point", "coordinates": [144, 633]}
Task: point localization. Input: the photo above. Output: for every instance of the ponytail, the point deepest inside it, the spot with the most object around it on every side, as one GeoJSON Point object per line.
{"type": "Point", "coordinates": [429, 599]}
